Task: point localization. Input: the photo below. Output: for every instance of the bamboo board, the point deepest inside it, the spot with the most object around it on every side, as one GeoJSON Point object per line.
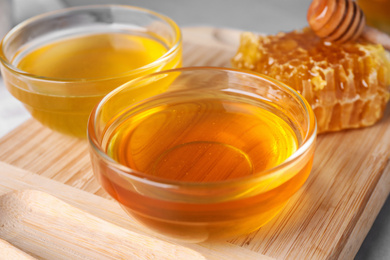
{"type": "Point", "coordinates": [76, 224]}
{"type": "Point", "coordinates": [327, 219]}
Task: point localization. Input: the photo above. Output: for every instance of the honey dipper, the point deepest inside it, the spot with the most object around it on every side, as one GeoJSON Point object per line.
{"type": "Point", "coordinates": [341, 21]}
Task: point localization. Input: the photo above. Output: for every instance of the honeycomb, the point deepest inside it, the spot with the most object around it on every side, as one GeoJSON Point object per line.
{"type": "Point", "coordinates": [347, 84]}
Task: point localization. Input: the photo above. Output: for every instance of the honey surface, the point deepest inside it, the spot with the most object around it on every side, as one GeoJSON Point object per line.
{"type": "Point", "coordinates": [92, 56]}
{"type": "Point", "coordinates": [203, 140]}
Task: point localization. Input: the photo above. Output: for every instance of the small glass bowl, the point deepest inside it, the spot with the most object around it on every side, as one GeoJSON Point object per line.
{"type": "Point", "coordinates": [64, 104]}
{"type": "Point", "coordinates": [197, 210]}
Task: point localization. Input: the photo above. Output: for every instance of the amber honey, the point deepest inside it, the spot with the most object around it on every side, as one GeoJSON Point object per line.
{"type": "Point", "coordinates": [215, 154]}
{"type": "Point", "coordinates": [87, 66]}
{"type": "Point", "coordinates": [377, 13]}
{"type": "Point", "coordinates": [200, 140]}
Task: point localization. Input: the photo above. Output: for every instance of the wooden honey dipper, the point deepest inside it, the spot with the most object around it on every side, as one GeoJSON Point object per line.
{"type": "Point", "coordinates": [341, 21]}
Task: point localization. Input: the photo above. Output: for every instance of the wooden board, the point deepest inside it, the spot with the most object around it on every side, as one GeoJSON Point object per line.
{"type": "Point", "coordinates": [327, 219]}
{"type": "Point", "coordinates": [112, 225]}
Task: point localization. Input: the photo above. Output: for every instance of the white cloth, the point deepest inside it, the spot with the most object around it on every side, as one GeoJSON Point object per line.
{"type": "Point", "coordinates": [12, 112]}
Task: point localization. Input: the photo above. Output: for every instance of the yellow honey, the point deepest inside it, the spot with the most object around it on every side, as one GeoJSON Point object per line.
{"type": "Point", "coordinates": [96, 56]}
{"type": "Point", "coordinates": [77, 72]}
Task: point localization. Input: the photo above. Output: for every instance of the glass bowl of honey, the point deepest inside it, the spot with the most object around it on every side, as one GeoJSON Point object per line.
{"type": "Point", "coordinates": [60, 64]}
{"type": "Point", "coordinates": [202, 153]}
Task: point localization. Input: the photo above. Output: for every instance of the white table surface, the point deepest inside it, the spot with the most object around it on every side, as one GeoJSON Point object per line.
{"type": "Point", "coordinates": [251, 15]}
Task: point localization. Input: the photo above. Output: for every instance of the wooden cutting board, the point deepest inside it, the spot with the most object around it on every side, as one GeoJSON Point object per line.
{"type": "Point", "coordinates": [327, 219]}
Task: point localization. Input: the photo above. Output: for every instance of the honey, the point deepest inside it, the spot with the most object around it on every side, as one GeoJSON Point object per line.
{"type": "Point", "coordinates": [78, 71]}
{"type": "Point", "coordinates": [347, 84]}
{"type": "Point", "coordinates": [200, 139]}
{"type": "Point", "coordinates": [376, 13]}
{"type": "Point", "coordinates": [95, 56]}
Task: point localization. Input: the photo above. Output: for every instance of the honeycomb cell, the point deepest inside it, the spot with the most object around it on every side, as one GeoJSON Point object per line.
{"type": "Point", "coordinates": [346, 84]}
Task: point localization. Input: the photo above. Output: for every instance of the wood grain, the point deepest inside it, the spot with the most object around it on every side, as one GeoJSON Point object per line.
{"type": "Point", "coordinates": [30, 218]}
{"type": "Point", "coordinates": [76, 224]}
{"type": "Point", "coordinates": [327, 219]}
{"type": "Point", "coordinates": [8, 251]}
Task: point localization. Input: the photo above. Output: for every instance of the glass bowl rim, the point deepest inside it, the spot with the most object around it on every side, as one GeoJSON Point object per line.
{"type": "Point", "coordinates": [171, 51]}
{"type": "Point", "coordinates": [307, 142]}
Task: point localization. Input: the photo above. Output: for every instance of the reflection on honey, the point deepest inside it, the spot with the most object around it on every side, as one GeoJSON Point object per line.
{"type": "Point", "coordinates": [200, 141]}
{"type": "Point", "coordinates": [92, 56]}
{"type": "Point", "coordinates": [87, 67]}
